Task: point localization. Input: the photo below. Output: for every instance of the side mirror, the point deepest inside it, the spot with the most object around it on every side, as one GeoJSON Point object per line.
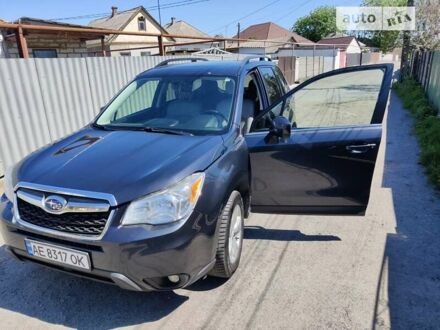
{"type": "Point", "coordinates": [280, 130]}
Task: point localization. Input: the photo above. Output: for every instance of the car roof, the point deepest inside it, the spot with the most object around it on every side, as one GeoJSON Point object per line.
{"type": "Point", "coordinates": [215, 68]}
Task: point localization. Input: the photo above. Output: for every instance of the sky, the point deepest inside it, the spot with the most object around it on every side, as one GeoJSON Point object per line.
{"type": "Point", "coordinates": [210, 16]}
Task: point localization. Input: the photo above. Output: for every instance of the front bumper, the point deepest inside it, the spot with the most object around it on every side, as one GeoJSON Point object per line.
{"type": "Point", "coordinates": [132, 257]}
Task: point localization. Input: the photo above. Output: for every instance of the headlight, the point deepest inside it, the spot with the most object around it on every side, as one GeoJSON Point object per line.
{"type": "Point", "coordinates": [166, 206]}
{"type": "Point", "coordinates": [8, 184]}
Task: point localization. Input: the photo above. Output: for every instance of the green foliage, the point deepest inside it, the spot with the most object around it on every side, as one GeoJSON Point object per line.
{"type": "Point", "coordinates": [318, 24]}
{"type": "Point", "coordinates": [427, 126]}
{"type": "Point", "coordinates": [385, 40]}
{"type": "Point", "coordinates": [385, 3]}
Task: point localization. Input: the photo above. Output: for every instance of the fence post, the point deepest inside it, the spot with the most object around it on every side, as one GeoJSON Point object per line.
{"type": "Point", "coordinates": [428, 76]}
{"type": "Point", "coordinates": [21, 43]}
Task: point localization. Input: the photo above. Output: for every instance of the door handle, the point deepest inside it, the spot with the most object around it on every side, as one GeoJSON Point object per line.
{"type": "Point", "coordinates": [360, 148]}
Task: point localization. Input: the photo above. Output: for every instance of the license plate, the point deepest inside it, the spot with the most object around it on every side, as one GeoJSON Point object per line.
{"type": "Point", "coordinates": [57, 254]}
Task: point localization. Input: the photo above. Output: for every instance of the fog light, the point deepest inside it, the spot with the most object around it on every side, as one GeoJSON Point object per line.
{"type": "Point", "coordinates": [174, 278]}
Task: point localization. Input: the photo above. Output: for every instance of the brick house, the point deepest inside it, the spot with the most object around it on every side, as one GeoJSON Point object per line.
{"type": "Point", "coordinates": [48, 44]}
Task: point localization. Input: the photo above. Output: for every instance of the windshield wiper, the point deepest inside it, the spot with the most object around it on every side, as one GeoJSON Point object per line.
{"type": "Point", "coordinates": [164, 131]}
{"type": "Point", "coordinates": [102, 127]}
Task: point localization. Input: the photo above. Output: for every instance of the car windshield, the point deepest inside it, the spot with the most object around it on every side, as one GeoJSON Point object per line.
{"type": "Point", "coordinates": [191, 104]}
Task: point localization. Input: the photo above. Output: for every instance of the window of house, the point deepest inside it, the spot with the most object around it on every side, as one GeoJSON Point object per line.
{"type": "Point", "coordinates": [44, 53]}
{"type": "Point", "coordinates": [125, 53]}
{"type": "Point", "coordinates": [145, 53]}
{"type": "Point", "coordinates": [141, 23]}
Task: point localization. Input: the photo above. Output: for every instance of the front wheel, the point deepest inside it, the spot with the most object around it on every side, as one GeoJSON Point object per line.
{"type": "Point", "coordinates": [230, 238]}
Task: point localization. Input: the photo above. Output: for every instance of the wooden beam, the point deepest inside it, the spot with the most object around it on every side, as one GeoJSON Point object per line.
{"type": "Point", "coordinates": [21, 43]}
{"type": "Point", "coordinates": [100, 32]}
{"type": "Point", "coordinates": [161, 46]}
{"type": "Point", "coordinates": [103, 46]}
{"type": "Point", "coordinates": [97, 31]}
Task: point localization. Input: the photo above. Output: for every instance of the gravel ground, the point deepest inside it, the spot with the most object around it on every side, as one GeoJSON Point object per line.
{"type": "Point", "coordinates": [297, 272]}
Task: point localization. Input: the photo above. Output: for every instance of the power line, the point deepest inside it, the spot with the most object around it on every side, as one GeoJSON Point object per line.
{"type": "Point", "coordinates": [246, 16]}
{"type": "Point", "coordinates": [285, 15]}
{"type": "Point", "coordinates": [151, 8]}
{"type": "Point", "coordinates": [290, 12]}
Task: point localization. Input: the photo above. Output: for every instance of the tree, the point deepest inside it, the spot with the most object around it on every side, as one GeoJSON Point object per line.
{"type": "Point", "coordinates": [318, 24]}
{"type": "Point", "coordinates": [386, 41]}
{"type": "Point", "coordinates": [427, 35]}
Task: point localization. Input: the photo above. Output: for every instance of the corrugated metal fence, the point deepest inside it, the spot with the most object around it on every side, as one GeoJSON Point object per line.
{"type": "Point", "coordinates": [425, 68]}
{"type": "Point", "coordinates": [42, 100]}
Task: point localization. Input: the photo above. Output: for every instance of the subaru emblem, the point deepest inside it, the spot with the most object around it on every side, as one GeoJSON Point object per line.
{"type": "Point", "coordinates": [54, 204]}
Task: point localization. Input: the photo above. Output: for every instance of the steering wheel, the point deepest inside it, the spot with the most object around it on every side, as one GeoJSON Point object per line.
{"type": "Point", "coordinates": [218, 115]}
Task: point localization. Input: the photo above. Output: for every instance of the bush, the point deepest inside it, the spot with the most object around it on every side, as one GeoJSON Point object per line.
{"type": "Point", "coordinates": [427, 126]}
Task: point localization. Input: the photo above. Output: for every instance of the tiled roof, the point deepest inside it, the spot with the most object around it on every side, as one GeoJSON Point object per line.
{"type": "Point", "coordinates": [271, 31]}
{"type": "Point", "coordinates": [120, 20]}
{"type": "Point", "coordinates": [27, 20]}
{"type": "Point", "coordinates": [341, 41]}
{"type": "Point", "coordinates": [184, 28]}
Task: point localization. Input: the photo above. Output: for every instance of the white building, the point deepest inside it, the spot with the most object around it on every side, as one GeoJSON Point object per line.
{"type": "Point", "coordinates": [132, 20]}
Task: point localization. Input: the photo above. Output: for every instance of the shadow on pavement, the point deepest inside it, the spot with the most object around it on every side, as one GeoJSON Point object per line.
{"type": "Point", "coordinates": [411, 265]}
{"type": "Point", "coordinates": [207, 284]}
{"type": "Point", "coordinates": [257, 232]}
{"type": "Point", "coordinates": [58, 298]}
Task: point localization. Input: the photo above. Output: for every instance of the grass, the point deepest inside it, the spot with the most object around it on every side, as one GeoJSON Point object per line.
{"type": "Point", "coordinates": [426, 127]}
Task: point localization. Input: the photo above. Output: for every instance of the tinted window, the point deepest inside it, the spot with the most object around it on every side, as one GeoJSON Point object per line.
{"type": "Point", "coordinates": [140, 97]}
{"type": "Point", "coordinates": [281, 78]}
{"type": "Point", "coordinates": [271, 83]}
{"type": "Point", "coordinates": [343, 99]}
{"type": "Point", "coordinates": [198, 104]}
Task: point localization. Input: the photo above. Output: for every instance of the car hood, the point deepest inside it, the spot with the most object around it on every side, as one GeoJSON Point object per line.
{"type": "Point", "coordinates": [126, 164]}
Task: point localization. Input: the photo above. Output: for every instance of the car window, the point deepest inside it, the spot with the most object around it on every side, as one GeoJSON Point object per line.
{"type": "Point", "coordinates": [251, 91]}
{"type": "Point", "coordinates": [197, 104]}
{"type": "Point", "coordinates": [345, 99]}
{"type": "Point", "coordinates": [271, 83]}
{"type": "Point", "coordinates": [140, 98]}
{"type": "Point", "coordinates": [281, 79]}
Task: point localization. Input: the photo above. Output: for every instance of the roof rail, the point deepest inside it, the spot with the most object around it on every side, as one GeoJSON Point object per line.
{"type": "Point", "coordinates": [247, 59]}
{"type": "Point", "coordinates": [191, 59]}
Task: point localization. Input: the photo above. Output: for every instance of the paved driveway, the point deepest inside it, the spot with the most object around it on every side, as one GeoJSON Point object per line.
{"type": "Point", "coordinates": [296, 271]}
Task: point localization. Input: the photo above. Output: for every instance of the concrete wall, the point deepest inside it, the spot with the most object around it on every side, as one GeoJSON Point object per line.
{"type": "Point", "coordinates": [250, 51]}
{"type": "Point", "coordinates": [353, 48]}
{"type": "Point", "coordinates": [134, 52]}
{"type": "Point", "coordinates": [328, 52]}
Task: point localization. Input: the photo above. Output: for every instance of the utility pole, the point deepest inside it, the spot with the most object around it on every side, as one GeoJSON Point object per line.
{"type": "Point", "coordinates": [406, 49]}
{"type": "Point", "coordinates": [238, 36]}
{"type": "Point", "coordinates": [158, 7]}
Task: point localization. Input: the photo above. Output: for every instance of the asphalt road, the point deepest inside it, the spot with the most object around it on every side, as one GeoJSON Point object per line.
{"type": "Point", "coordinates": [297, 272]}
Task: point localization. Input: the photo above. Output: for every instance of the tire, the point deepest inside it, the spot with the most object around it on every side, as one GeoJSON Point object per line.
{"type": "Point", "coordinates": [229, 249]}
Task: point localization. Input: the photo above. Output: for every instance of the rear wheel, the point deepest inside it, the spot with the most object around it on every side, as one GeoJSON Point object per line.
{"type": "Point", "coordinates": [230, 238]}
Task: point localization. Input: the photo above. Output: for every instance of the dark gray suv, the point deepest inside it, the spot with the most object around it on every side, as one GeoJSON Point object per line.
{"type": "Point", "coordinates": [153, 193]}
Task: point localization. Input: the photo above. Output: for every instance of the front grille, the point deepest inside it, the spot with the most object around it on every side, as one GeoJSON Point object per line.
{"type": "Point", "coordinates": [92, 223]}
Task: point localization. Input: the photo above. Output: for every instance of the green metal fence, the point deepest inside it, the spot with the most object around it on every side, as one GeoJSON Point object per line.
{"type": "Point", "coordinates": [433, 88]}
